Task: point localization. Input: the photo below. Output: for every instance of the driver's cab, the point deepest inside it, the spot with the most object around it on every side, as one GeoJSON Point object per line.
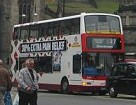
{"type": "Point", "coordinates": [91, 65]}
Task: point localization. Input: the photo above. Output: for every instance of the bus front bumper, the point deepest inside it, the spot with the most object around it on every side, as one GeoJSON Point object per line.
{"type": "Point", "coordinates": [87, 88]}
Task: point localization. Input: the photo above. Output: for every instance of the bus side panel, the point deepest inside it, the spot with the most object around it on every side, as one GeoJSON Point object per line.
{"type": "Point", "coordinates": [52, 81]}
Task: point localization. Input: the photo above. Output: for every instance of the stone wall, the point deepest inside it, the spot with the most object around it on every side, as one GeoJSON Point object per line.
{"type": "Point", "coordinates": [5, 32]}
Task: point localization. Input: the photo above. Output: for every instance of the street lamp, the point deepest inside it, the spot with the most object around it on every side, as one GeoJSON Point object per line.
{"type": "Point", "coordinates": [23, 15]}
{"type": "Point", "coordinates": [35, 13]}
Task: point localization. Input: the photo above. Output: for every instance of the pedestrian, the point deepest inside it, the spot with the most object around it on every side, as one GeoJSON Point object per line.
{"type": "Point", "coordinates": [28, 84]}
{"type": "Point", "coordinates": [5, 82]}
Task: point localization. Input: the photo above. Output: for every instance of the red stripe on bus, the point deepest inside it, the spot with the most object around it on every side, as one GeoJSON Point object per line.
{"type": "Point", "coordinates": [95, 78]}
{"type": "Point", "coordinates": [57, 87]}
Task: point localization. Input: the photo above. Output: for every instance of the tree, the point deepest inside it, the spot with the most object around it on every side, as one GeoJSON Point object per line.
{"type": "Point", "coordinates": [93, 3]}
{"type": "Point", "coordinates": [60, 10]}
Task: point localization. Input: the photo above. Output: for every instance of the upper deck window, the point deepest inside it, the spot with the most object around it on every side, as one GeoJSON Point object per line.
{"type": "Point", "coordinates": [16, 33]}
{"type": "Point", "coordinates": [52, 28]}
{"type": "Point", "coordinates": [102, 24]}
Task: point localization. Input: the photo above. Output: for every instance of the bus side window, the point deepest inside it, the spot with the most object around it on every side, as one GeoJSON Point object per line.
{"type": "Point", "coordinates": [75, 26]}
{"type": "Point", "coordinates": [34, 29]}
{"type": "Point", "coordinates": [43, 29]}
{"type": "Point", "coordinates": [24, 32]}
{"type": "Point", "coordinates": [53, 29]}
{"type": "Point", "coordinates": [16, 33]}
{"type": "Point", "coordinates": [77, 63]}
{"type": "Point", "coordinates": [62, 28]}
{"type": "Point", "coordinates": [67, 27]}
{"type": "Point", "coordinates": [43, 64]}
{"type": "Point", "coordinates": [50, 29]}
{"type": "Point", "coordinates": [56, 28]}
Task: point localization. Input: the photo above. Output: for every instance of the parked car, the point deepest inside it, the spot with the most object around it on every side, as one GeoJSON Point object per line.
{"type": "Point", "coordinates": [122, 79]}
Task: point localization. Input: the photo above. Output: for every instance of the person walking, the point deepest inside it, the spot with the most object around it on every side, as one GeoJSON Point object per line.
{"type": "Point", "coordinates": [5, 82]}
{"type": "Point", "coordinates": [28, 84]}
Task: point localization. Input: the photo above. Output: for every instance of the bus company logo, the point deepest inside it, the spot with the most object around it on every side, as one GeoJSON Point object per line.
{"type": "Point", "coordinates": [75, 39]}
{"type": "Point", "coordinates": [43, 46]}
{"type": "Point", "coordinates": [76, 43]}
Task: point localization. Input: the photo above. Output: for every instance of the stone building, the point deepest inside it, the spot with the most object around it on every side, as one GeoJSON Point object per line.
{"type": "Point", "coordinates": [14, 12]}
{"type": "Point", "coordinates": [127, 11]}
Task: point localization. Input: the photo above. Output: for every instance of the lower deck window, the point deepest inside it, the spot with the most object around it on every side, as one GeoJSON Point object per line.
{"type": "Point", "coordinates": [42, 64]}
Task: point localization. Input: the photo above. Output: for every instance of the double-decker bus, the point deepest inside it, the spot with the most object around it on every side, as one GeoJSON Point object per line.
{"type": "Point", "coordinates": [73, 53]}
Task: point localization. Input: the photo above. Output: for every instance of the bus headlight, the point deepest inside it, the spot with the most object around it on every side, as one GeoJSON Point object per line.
{"type": "Point", "coordinates": [84, 83]}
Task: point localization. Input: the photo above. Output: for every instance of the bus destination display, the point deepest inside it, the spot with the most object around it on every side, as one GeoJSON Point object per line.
{"type": "Point", "coordinates": [103, 43]}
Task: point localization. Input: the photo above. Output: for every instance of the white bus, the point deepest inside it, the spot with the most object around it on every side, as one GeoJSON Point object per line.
{"type": "Point", "coordinates": [73, 53]}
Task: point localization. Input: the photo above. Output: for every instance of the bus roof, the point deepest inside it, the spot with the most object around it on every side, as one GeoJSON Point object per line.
{"type": "Point", "coordinates": [63, 18]}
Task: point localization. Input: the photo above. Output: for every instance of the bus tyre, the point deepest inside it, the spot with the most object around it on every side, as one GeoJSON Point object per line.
{"type": "Point", "coordinates": [64, 86]}
{"type": "Point", "coordinates": [112, 92]}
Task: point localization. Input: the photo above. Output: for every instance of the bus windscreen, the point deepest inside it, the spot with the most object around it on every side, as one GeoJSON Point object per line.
{"type": "Point", "coordinates": [102, 24]}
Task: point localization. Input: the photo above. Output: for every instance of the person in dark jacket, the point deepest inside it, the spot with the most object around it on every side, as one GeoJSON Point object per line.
{"type": "Point", "coordinates": [5, 82]}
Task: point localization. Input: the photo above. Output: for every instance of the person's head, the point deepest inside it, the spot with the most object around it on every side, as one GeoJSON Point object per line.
{"type": "Point", "coordinates": [30, 63]}
{"type": "Point", "coordinates": [1, 63]}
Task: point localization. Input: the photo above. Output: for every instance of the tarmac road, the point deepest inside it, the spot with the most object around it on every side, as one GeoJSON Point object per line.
{"type": "Point", "coordinates": [47, 98]}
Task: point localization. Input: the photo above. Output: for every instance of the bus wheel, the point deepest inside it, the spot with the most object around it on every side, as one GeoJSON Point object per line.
{"type": "Point", "coordinates": [64, 86]}
{"type": "Point", "coordinates": [112, 92]}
